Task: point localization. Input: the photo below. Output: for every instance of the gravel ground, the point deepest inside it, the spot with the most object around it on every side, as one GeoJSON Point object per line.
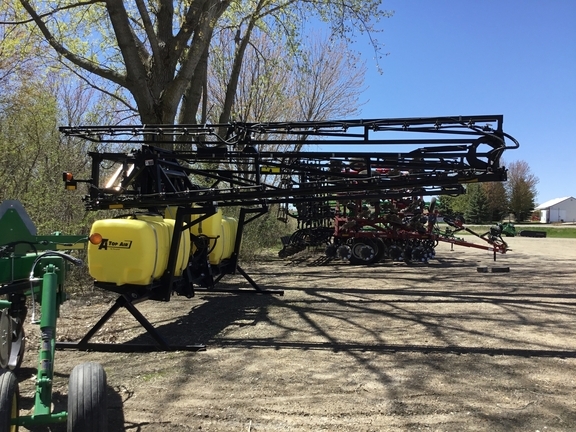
{"type": "Point", "coordinates": [387, 347]}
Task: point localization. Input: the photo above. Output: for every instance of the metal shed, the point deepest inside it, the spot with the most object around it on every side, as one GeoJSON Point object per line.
{"type": "Point", "coordinates": [558, 210]}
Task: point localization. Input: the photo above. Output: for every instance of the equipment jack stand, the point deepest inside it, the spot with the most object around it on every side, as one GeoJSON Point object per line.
{"type": "Point", "coordinates": [126, 302]}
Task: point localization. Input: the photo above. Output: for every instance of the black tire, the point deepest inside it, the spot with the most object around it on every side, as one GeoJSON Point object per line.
{"type": "Point", "coordinates": [9, 401]}
{"type": "Point", "coordinates": [5, 337]}
{"type": "Point", "coordinates": [382, 250]}
{"type": "Point", "coordinates": [87, 402]}
{"type": "Point", "coordinates": [535, 234]}
{"type": "Point", "coordinates": [18, 348]}
{"type": "Point", "coordinates": [407, 254]}
{"type": "Point", "coordinates": [364, 251]}
{"type": "Point", "coordinates": [331, 251]}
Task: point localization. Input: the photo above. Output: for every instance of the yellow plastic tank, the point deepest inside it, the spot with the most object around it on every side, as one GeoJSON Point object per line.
{"type": "Point", "coordinates": [185, 244]}
{"type": "Point", "coordinates": [183, 250]}
{"type": "Point", "coordinates": [135, 250]}
{"type": "Point", "coordinates": [221, 230]}
{"type": "Point", "coordinates": [230, 226]}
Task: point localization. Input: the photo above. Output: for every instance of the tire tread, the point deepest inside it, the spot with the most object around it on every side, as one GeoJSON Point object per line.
{"type": "Point", "coordinates": [87, 404]}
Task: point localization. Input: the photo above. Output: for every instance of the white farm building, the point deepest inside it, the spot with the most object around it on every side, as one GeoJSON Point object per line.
{"type": "Point", "coordinates": [558, 210]}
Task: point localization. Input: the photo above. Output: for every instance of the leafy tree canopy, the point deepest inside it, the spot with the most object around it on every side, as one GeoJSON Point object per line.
{"type": "Point", "coordinates": [151, 55]}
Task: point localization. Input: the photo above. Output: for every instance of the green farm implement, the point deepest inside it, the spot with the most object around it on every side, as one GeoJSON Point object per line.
{"type": "Point", "coordinates": [33, 270]}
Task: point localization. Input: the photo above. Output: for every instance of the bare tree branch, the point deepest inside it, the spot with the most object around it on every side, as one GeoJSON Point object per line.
{"type": "Point", "coordinates": [149, 28]}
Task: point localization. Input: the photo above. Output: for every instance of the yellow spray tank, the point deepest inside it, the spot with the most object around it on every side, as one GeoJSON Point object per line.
{"type": "Point", "coordinates": [221, 231]}
{"type": "Point", "coordinates": [230, 229]}
{"type": "Point", "coordinates": [135, 250]}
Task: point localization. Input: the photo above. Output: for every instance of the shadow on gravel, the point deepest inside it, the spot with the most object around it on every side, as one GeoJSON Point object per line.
{"type": "Point", "coordinates": [327, 262]}
{"type": "Point", "coordinates": [437, 296]}
{"type": "Point", "coordinates": [217, 313]}
{"type": "Point", "coordinates": [207, 323]}
{"type": "Point", "coordinates": [392, 349]}
{"type": "Point", "coordinates": [214, 320]}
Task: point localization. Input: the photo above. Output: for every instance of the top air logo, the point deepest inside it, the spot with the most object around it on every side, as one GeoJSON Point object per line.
{"type": "Point", "coordinates": [112, 244]}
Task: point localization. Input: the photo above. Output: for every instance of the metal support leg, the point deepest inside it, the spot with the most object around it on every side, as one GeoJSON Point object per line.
{"type": "Point", "coordinates": [123, 301]}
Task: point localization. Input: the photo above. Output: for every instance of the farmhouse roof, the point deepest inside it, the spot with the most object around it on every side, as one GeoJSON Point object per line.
{"type": "Point", "coordinates": [552, 203]}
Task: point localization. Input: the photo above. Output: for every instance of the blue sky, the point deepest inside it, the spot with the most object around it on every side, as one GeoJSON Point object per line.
{"type": "Point", "coordinates": [510, 57]}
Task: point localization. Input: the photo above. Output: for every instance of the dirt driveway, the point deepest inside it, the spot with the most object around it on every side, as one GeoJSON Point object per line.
{"type": "Point", "coordinates": [388, 347]}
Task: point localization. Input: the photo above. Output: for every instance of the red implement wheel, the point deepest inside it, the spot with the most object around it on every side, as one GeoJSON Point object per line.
{"type": "Point", "coordinates": [382, 250]}
{"type": "Point", "coordinates": [364, 251]}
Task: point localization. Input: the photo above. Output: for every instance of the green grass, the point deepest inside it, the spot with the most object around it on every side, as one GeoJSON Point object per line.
{"type": "Point", "coordinates": [153, 375]}
{"type": "Point", "coordinates": [551, 231]}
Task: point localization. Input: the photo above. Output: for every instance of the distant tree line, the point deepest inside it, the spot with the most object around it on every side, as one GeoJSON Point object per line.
{"type": "Point", "coordinates": [489, 202]}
